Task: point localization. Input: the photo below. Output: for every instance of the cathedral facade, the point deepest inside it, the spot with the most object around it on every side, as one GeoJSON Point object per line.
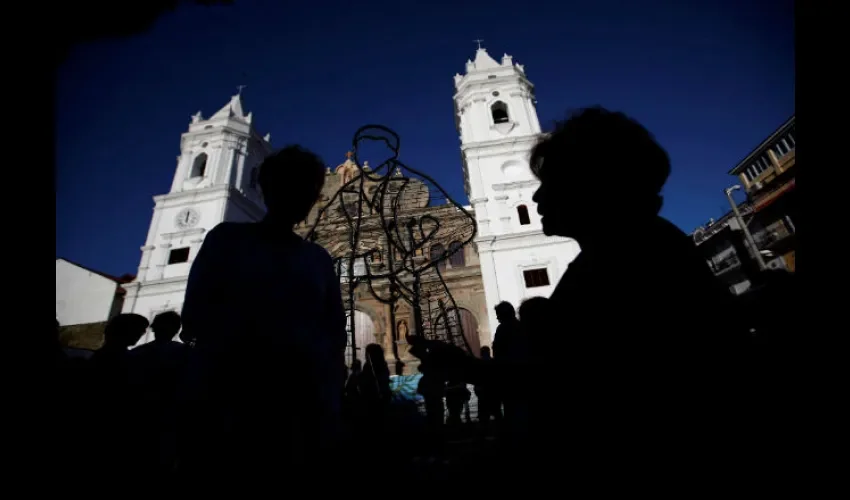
{"type": "Point", "coordinates": [510, 259]}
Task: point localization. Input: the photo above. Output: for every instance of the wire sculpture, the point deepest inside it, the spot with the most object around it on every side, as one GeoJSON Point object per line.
{"type": "Point", "coordinates": [399, 229]}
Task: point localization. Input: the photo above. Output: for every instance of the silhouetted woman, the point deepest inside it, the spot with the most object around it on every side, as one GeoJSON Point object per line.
{"type": "Point", "coordinates": [375, 381]}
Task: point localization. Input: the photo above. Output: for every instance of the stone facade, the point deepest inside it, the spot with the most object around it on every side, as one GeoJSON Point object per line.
{"type": "Point", "coordinates": [330, 225]}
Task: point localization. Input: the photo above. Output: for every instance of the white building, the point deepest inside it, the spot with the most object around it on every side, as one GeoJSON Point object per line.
{"type": "Point", "coordinates": [498, 124]}
{"type": "Point", "coordinates": [85, 296]}
{"type": "Point", "coordinates": [215, 181]}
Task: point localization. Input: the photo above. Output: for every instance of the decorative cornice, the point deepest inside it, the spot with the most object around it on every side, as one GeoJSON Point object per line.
{"type": "Point", "coordinates": [506, 186]}
{"type": "Point", "coordinates": [183, 234]}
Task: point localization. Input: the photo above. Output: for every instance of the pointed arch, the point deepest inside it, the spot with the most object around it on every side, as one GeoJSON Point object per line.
{"type": "Point", "coordinates": [458, 259]}
{"type": "Point", "coordinates": [199, 166]}
{"type": "Point", "coordinates": [364, 332]}
{"type": "Point", "coordinates": [499, 112]}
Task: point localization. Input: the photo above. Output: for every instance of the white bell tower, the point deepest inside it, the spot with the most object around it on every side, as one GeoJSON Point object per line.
{"type": "Point", "coordinates": [497, 119]}
{"type": "Point", "coordinates": [215, 181]}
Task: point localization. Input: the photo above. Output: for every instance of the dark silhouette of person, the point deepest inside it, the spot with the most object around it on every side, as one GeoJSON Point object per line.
{"type": "Point", "coordinates": [352, 402]}
{"type": "Point", "coordinates": [375, 397]}
{"type": "Point", "coordinates": [533, 312]}
{"type": "Point", "coordinates": [156, 370]}
{"type": "Point", "coordinates": [487, 392]}
{"type": "Point", "coordinates": [374, 381]}
{"type": "Point", "coordinates": [510, 353]}
{"type": "Point", "coordinates": [457, 398]}
{"type": "Point", "coordinates": [187, 337]}
{"type": "Point", "coordinates": [508, 337]}
{"type": "Point", "coordinates": [115, 453]}
{"type": "Point", "coordinates": [647, 367]}
{"type": "Point", "coordinates": [111, 361]}
{"type": "Point", "coordinates": [266, 310]}
{"type": "Point", "coordinates": [432, 387]}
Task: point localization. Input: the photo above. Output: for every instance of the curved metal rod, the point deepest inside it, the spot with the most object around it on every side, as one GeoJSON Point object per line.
{"type": "Point", "coordinates": [404, 226]}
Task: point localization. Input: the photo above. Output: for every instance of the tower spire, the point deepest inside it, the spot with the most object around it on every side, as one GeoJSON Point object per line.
{"type": "Point", "coordinates": [478, 41]}
{"type": "Point", "coordinates": [239, 89]}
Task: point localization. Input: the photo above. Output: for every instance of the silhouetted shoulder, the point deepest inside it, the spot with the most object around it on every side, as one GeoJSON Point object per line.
{"type": "Point", "coordinates": [229, 230]}
{"type": "Point", "coordinates": [320, 253]}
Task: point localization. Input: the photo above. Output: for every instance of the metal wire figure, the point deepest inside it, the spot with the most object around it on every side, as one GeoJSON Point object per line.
{"type": "Point", "coordinates": [393, 213]}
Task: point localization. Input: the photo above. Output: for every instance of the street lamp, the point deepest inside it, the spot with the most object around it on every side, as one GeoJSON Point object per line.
{"type": "Point", "coordinates": [744, 227]}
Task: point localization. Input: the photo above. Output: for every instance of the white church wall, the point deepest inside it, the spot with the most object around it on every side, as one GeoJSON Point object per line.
{"type": "Point", "coordinates": [496, 146]}
{"type": "Point", "coordinates": [504, 262]}
{"type": "Point", "coordinates": [81, 295]}
{"type": "Point", "coordinates": [197, 202]}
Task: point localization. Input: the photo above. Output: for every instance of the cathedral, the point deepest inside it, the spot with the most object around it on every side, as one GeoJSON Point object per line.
{"type": "Point", "coordinates": [509, 259]}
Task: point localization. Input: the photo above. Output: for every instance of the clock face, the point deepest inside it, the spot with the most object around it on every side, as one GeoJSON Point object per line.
{"type": "Point", "coordinates": [187, 218]}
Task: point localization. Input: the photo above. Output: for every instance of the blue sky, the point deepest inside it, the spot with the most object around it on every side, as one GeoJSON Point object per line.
{"type": "Point", "coordinates": [709, 79]}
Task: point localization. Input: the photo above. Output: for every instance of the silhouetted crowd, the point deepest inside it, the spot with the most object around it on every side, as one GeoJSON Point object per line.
{"type": "Point", "coordinates": [639, 369]}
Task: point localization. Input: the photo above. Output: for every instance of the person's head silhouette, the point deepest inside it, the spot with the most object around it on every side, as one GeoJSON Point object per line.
{"type": "Point", "coordinates": [165, 326]}
{"type": "Point", "coordinates": [124, 330]}
{"type": "Point", "coordinates": [505, 312]}
{"type": "Point", "coordinates": [533, 309]}
{"type": "Point", "coordinates": [599, 171]}
{"type": "Point", "coordinates": [291, 181]}
{"type": "Point", "coordinates": [485, 352]}
{"type": "Point", "coordinates": [375, 354]}
{"type": "Point", "coordinates": [356, 366]}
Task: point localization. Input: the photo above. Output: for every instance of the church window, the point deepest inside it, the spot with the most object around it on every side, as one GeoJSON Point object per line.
{"type": "Point", "coordinates": [254, 174]}
{"type": "Point", "coordinates": [499, 110]}
{"type": "Point", "coordinates": [199, 166]}
{"type": "Point", "coordinates": [436, 253]}
{"type": "Point", "coordinates": [178, 256]}
{"type": "Point", "coordinates": [536, 277]}
{"type": "Point", "coordinates": [377, 258]}
{"type": "Point", "coordinates": [457, 259]}
{"type": "Point", "coordinates": [522, 212]}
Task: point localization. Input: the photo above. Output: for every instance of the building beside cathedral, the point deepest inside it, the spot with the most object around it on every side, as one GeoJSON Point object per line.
{"type": "Point", "coordinates": [511, 259]}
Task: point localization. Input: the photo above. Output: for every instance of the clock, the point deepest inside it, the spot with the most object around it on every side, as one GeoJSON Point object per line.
{"type": "Point", "coordinates": [187, 218]}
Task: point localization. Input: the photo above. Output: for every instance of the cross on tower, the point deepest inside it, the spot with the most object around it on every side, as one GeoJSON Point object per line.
{"type": "Point", "coordinates": [479, 43]}
{"type": "Point", "coordinates": [240, 87]}
{"type": "Point", "coordinates": [349, 155]}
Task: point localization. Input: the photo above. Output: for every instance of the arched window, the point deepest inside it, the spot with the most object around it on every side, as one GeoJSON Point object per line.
{"type": "Point", "coordinates": [457, 259]}
{"type": "Point", "coordinates": [499, 110]}
{"type": "Point", "coordinates": [522, 212]}
{"type": "Point", "coordinates": [199, 166]}
{"type": "Point", "coordinates": [364, 333]}
{"type": "Point", "coordinates": [437, 251]}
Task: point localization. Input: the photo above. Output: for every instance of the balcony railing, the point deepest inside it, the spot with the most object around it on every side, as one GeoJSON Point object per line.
{"type": "Point", "coordinates": [724, 265]}
{"type": "Point", "coordinates": [772, 234]}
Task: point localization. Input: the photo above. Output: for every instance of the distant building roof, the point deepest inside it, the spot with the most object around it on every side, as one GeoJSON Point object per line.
{"type": "Point", "coordinates": [764, 144]}
{"type": "Point", "coordinates": [121, 280]}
